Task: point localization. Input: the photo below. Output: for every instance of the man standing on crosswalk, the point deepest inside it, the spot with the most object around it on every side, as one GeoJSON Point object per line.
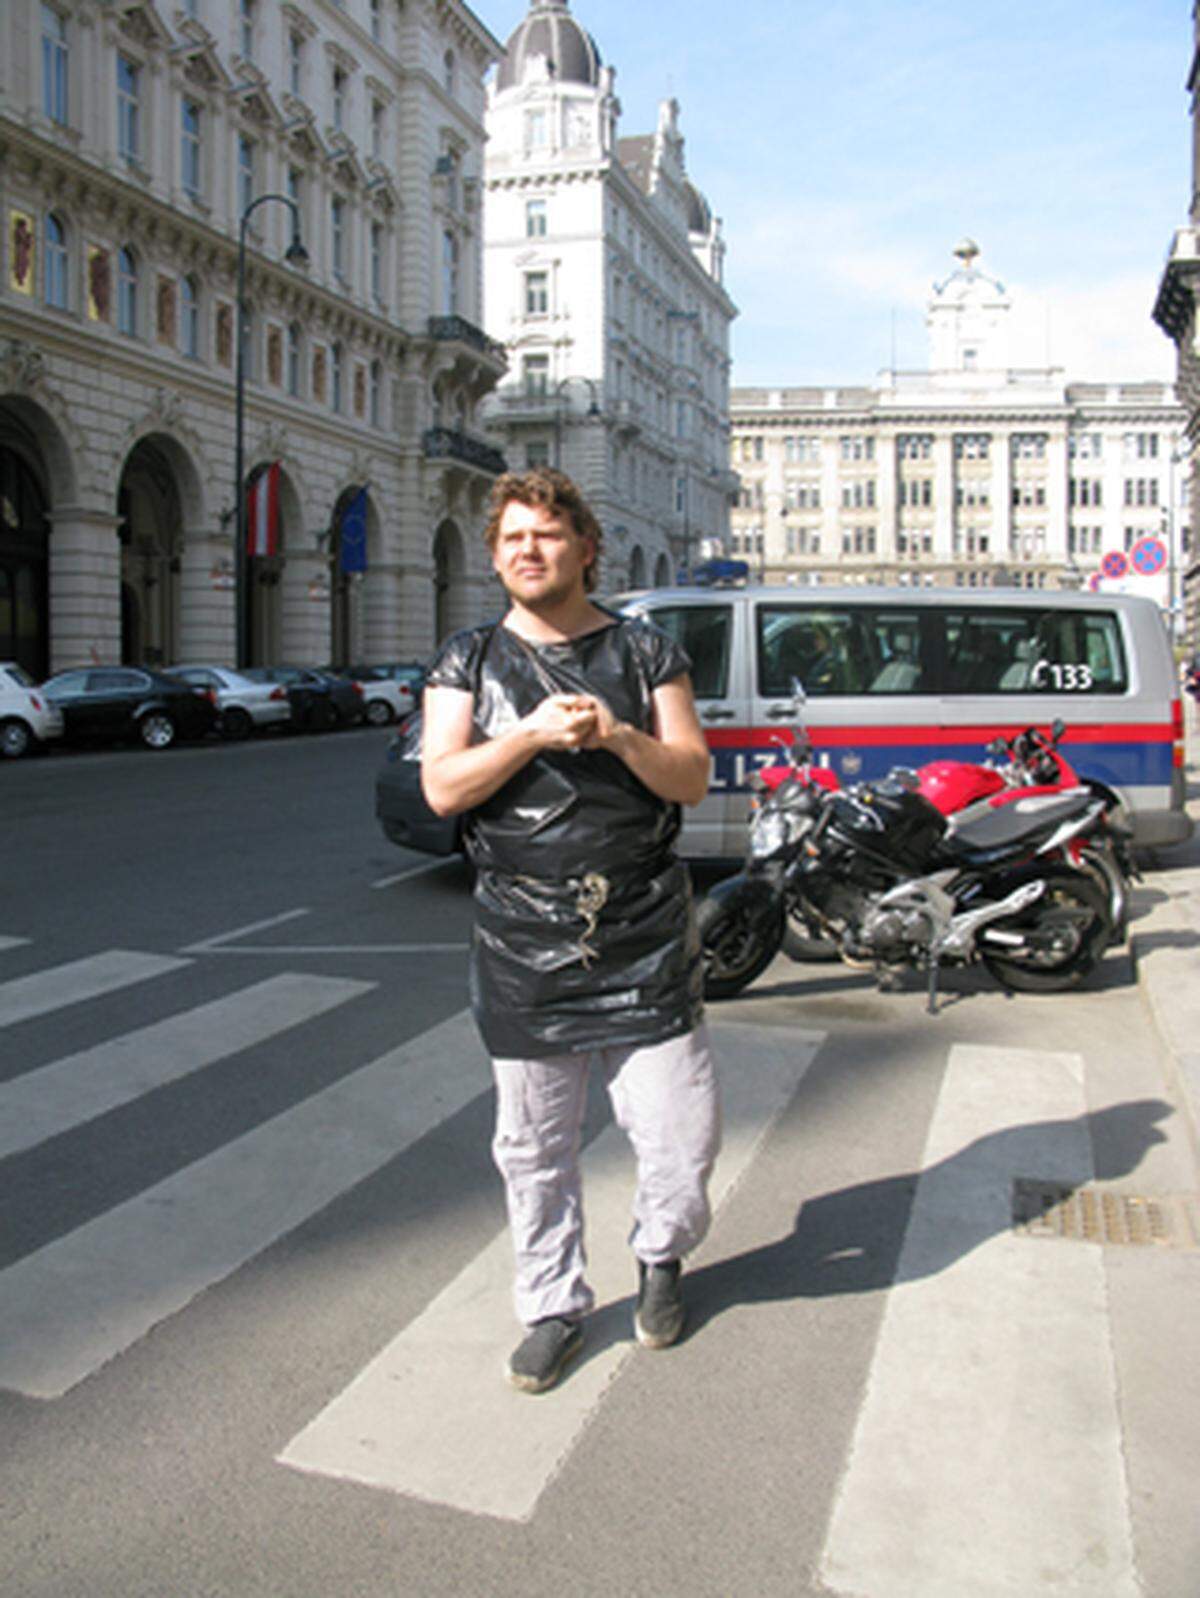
{"type": "Point", "coordinates": [568, 737]}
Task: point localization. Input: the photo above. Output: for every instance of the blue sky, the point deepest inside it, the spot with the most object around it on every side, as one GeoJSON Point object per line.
{"type": "Point", "coordinates": [849, 144]}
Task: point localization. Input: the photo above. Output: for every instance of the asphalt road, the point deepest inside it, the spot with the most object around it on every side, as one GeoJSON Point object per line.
{"type": "Point", "coordinates": [253, 1273]}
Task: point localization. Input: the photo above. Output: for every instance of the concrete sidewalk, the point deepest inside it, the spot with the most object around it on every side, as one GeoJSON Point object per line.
{"type": "Point", "coordinates": [1165, 943]}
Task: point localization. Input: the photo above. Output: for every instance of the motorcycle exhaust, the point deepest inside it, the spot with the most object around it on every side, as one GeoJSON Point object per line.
{"type": "Point", "coordinates": [959, 937]}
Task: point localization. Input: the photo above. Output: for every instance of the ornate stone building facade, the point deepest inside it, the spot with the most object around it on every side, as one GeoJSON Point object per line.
{"type": "Point", "coordinates": [971, 473]}
{"type": "Point", "coordinates": [133, 139]}
{"type": "Point", "coordinates": [1175, 311]}
{"type": "Point", "coordinates": [603, 268]}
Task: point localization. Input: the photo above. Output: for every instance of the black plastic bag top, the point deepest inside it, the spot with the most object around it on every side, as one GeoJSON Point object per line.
{"type": "Point", "coordinates": [567, 812]}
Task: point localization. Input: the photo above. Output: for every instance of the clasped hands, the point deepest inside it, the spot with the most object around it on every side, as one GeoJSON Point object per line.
{"type": "Point", "coordinates": [572, 721]}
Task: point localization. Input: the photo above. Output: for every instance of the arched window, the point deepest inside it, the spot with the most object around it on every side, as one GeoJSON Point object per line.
{"type": "Point", "coordinates": [335, 377]}
{"type": "Point", "coordinates": [293, 360]}
{"type": "Point", "coordinates": [189, 317]}
{"type": "Point", "coordinates": [127, 292]}
{"type": "Point", "coordinates": [56, 262]}
{"type": "Point", "coordinates": [449, 275]}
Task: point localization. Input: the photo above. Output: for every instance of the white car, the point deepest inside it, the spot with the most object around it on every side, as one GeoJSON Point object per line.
{"type": "Point", "coordinates": [243, 705]}
{"type": "Point", "coordinates": [384, 699]}
{"type": "Point", "coordinates": [27, 717]}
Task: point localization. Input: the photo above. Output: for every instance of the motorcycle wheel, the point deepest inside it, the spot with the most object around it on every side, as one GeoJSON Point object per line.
{"type": "Point", "coordinates": [1106, 869]}
{"type": "Point", "coordinates": [736, 947]}
{"type": "Point", "coordinates": [1067, 931]}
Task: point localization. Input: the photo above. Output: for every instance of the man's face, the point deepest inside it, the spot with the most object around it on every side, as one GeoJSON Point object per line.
{"type": "Point", "coordinates": [538, 555]}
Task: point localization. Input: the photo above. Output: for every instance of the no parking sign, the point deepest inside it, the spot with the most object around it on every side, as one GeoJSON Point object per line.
{"type": "Point", "coordinates": [1114, 564]}
{"type": "Point", "coordinates": [1148, 556]}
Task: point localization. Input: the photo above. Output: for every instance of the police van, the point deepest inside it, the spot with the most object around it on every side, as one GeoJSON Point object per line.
{"type": "Point", "coordinates": [898, 677]}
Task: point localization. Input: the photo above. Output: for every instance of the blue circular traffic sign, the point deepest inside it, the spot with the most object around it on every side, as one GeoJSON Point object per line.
{"type": "Point", "coordinates": [1148, 556]}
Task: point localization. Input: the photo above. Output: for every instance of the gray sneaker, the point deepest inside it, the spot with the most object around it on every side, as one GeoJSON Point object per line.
{"type": "Point", "coordinates": [658, 1319]}
{"type": "Point", "coordinates": [537, 1363]}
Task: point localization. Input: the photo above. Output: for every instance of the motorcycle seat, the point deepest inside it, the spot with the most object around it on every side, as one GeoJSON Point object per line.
{"type": "Point", "coordinates": [1009, 828]}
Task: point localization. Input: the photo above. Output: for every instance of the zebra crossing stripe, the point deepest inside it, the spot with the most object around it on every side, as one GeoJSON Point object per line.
{"type": "Point", "coordinates": [23, 998]}
{"type": "Point", "coordinates": [79, 1087]}
{"type": "Point", "coordinates": [988, 1454]}
{"type": "Point", "coordinates": [432, 1416]}
{"type": "Point", "coordinates": [75, 1304]}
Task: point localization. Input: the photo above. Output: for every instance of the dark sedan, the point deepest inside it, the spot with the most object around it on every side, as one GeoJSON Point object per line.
{"type": "Point", "coordinates": [400, 805]}
{"type": "Point", "coordinates": [319, 700]}
{"type": "Point", "coordinates": [117, 704]}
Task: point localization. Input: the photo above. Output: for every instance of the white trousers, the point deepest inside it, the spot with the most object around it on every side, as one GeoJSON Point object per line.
{"type": "Point", "coordinates": [664, 1098]}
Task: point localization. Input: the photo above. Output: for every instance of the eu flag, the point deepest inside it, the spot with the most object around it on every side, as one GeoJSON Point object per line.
{"type": "Point", "coordinates": [353, 539]}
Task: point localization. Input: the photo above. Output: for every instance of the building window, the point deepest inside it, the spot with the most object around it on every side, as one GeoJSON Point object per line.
{"type": "Point", "coordinates": [858, 447]}
{"type": "Point", "coordinates": [247, 160]}
{"type": "Point", "coordinates": [54, 65]}
{"type": "Point", "coordinates": [189, 317]}
{"type": "Point", "coordinates": [535, 219]}
{"type": "Point", "coordinates": [376, 20]}
{"type": "Point", "coordinates": [335, 377]}
{"type": "Point", "coordinates": [55, 266]}
{"type": "Point", "coordinates": [449, 274]}
{"type": "Point", "coordinates": [376, 394]}
{"type": "Point", "coordinates": [377, 259]}
{"type": "Point", "coordinates": [378, 113]}
{"type": "Point", "coordinates": [293, 359]}
{"type": "Point", "coordinates": [535, 375]}
{"type": "Point", "coordinates": [537, 293]}
{"type": "Point", "coordinates": [128, 108]}
{"type": "Point", "coordinates": [127, 292]}
{"type": "Point", "coordinates": [246, 28]}
{"type": "Point", "coordinates": [337, 234]}
{"type": "Point", "coordinates": [536, 130]}
{"type": "Point", "coordinates": [339, 98]}
{"type": "Point", "coordinates": [189, 148]}
{"type": "Point", "coordinates": [296, 63]}
{"type": "Point", "coordinates": [448, 72]}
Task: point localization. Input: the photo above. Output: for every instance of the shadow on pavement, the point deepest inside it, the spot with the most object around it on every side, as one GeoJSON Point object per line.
{"type": "Point", "coordinates": [850, 1241]}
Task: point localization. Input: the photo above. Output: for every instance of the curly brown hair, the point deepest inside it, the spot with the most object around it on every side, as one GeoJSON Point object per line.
{"type": "Point", "coordinates": [553, 491]}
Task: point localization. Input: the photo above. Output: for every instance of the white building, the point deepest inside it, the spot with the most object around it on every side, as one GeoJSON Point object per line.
{"type": "Point", "coordinates": [972, 473]}
{"type": "Point", "coordinates": [134, 137]}
{"type": "Point", "coordinates": [603, 267]}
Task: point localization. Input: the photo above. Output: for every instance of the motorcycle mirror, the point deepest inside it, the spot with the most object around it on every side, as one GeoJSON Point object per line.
{"type": "Point", "coordinates": [798, 693]}
{"type": "Point", "coordinates": [1057, 727]}
{"type": "Point", "coordinates": [906, 777]}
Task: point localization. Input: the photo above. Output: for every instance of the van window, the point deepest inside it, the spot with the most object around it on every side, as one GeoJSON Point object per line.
{"type": "Point", "coordinates": [704, 631]}
{"type": "Point", "coordinates": [850, 649]}
{"type": "Point", "coordinates": [1024, 651]}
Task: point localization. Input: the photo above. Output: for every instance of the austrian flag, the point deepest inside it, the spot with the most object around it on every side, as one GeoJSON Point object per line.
{"type": "Point", "coordinates": [262, 512]}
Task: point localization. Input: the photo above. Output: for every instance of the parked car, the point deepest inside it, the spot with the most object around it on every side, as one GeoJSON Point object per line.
{"type": "Point", "coordinates": [27, 717]}
{"type": "Point", "coordinates": [384, 698]}
{"type": "Point", "coordinates": [400, 805]}
{"type": "Point", "coordinates": [243, 705]}
{"type": "Point", "coordinates": [409, 672]}
{"type": "Point", "coordinates": [319, 700]}
{"type": "Point", "coordinates": [112, 704]}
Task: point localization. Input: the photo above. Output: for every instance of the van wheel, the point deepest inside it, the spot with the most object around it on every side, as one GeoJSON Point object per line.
{"type": "Point", "coordinates": [378, 712]}
{"type": "Point", "coordinates": [15, 739]}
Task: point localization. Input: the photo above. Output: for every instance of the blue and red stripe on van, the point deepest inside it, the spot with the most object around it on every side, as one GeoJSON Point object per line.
{"type": "Point", "coordinates": [1123, 754]}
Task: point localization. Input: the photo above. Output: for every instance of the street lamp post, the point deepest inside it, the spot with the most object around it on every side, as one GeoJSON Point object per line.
{"type": "Point", "coordinates": [593, 411]}
{"type": "Point", "coordinates": [1175, 458]}
{"type": "Point", "coordinates": [295, 255]}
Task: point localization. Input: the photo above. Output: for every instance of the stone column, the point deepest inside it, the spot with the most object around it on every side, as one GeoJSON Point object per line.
{"type": "Point", "coordinates": [207, 591]}
{"type": "Point", "coordinates": [1001, 490]}
{"type": "Point", "coordinates": [944, 511]}
{"type": "Point", "coordinates": [885, 489]}
{"type": "Point", "coordinates": [85, 588]}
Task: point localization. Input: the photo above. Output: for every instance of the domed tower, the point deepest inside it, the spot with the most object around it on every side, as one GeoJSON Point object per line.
{"type": "Point", "coordinates": [968, 318]}
{"type": "Point", "coordinates": [549, 44]}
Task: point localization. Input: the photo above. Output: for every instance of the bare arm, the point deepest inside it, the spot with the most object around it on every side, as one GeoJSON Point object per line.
{"type": "Point", "coordinates": [457, 775]}
{"type": "Point", "coordinates": [673, 760]}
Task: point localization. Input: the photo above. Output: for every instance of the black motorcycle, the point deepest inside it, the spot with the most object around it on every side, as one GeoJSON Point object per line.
{"type": "Point", "coordinates": [877, 870]}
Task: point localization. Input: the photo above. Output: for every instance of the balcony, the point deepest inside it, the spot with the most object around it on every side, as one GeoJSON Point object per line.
{"type": "Point", "coordinates": [457, 330]}
{"type": "Point", "coordinates": [449, 444]}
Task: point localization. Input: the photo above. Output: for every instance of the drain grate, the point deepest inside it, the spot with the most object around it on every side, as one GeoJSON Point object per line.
{"type": "Point", "coordinates": [1100, 1215]}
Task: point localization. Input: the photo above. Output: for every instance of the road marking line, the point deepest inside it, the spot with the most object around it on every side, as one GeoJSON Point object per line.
{"type": "Point", "coordinates": [432, 1416]}
{"type": "Point", "coordinates": [11, 943]}
{"type": "Point", "coordinates": [417, 871]}
{"type": "Point", "coordinates": [210, 945]}
{"type": "Point", "coordinates": [345, 948]}
{"type": "Point", "coordinates": [53, 989]}
{"type": "Point", "coordinates": [75, 1304]}
{"type": "Point", "coordinates": [988, 1453]}
{"type": "Point", "coordinates": [79, 1087]}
